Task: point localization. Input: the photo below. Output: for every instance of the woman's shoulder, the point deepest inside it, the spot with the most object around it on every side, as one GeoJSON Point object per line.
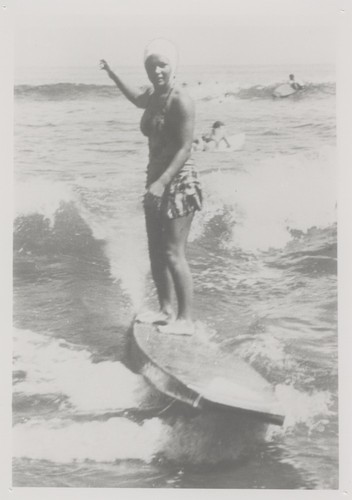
{"type": "Point", "coordinates": [180, 92]}
{"type": "Point", "coordinates": [181, 98]}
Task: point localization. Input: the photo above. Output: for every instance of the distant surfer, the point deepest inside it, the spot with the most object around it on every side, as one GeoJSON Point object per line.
{"type": "Point", "coordinates": [214, 139]}
{"type": "Point", "coordinates": [289, 88]}
{"type": "Point", "coordinates": [296, 85]}
{"type": "Point", "coordinates": [173, 192]}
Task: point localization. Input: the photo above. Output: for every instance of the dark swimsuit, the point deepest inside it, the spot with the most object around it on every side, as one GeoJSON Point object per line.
{"type": "Point", "coordinates": [183, 195]}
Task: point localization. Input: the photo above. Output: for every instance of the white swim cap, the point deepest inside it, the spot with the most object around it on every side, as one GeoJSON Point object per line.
{"type": "Point", "coordinates": [162, 47]}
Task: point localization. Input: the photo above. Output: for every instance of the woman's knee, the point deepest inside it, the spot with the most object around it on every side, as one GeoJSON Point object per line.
{"type": "Point", "coordinates": [174, 256]}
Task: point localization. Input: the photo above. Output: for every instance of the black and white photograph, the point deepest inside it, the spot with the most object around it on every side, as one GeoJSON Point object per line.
{"type": "Point", "coordinates": [175, 245]}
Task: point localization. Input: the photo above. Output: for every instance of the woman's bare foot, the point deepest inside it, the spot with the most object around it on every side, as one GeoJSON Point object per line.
{"type": "Point", "coordinates": [178, 327]}
{"type": "Point", "coordinates": [154, 317]}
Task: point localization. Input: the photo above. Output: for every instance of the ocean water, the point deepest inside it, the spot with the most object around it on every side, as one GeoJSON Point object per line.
{"type": "Point", "coordinates": [263, 257]}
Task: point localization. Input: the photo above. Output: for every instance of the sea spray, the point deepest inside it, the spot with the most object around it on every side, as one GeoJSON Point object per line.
{"type": "Point", "coordinates": [51, 366]}
{"type": "Point", "coordinates": [42, 197]}
{"type": "Point", "coordinates": [265, 204]}
{"type": "Point", "coordinates": [65, 441]}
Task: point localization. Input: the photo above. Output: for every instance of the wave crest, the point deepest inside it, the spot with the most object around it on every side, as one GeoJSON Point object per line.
{"type": "Point", "coordinates": [205, 92]}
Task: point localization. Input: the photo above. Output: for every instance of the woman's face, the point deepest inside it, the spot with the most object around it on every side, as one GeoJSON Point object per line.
{"type": "Point", "coordinates": [159, 70]}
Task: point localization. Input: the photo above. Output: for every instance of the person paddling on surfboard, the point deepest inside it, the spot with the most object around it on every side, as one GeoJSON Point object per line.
{"type": "Point", "coordinates": [217, 135]}
{"type": "Point", "coordinates": [294, 83]}
{"type": "Point", "coordinates": [173, 192]}
{"type": "Point", "coordinates": [214, 139]}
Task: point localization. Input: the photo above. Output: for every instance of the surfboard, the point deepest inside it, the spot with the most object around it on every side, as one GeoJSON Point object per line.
{"type": "Point", "coordinates": [196, 371]}
{"type": "Point", "coordinates": [236, 144]}
{"type": "Point", "coordinates": [284, 90]}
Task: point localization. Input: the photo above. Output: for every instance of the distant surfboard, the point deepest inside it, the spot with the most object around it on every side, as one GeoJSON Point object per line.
{"type": "Point", "coordinates": [284, 90]}
{"type": "Point", "coordinates": [236, 144]}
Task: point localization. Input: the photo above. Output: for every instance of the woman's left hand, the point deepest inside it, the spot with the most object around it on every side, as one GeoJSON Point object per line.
{"type": "Point", "coordinates": [157, 189]}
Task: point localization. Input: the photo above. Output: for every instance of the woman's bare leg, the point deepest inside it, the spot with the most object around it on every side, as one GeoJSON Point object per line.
{"type": "Point", "coordinates": [176, 232]}
{"type": "Point", "coordinates": [160, 271]}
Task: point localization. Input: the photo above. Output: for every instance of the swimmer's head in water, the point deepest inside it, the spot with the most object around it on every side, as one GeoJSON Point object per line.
{"type": "Point", "coordinates": [291, 76]}
{"type": "Point", "coordinates": [218, 124]}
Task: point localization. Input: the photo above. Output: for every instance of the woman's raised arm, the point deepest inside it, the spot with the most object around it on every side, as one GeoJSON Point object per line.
{"type": "Point", "coordinates": [136, 96]}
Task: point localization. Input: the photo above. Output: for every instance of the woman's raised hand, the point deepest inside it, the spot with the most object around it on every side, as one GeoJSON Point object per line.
{"type": "Point", "coordinates": [104, 65]}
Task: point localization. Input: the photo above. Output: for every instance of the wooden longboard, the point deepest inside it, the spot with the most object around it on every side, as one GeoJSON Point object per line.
{"type": "Point", "coordinates": [195, 371]}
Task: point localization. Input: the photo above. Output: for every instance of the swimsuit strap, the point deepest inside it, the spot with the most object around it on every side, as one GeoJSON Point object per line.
{"type": "Point", "coordinates": [163, 109]}
{"type": "Point", "coordinates": [167, 99]}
